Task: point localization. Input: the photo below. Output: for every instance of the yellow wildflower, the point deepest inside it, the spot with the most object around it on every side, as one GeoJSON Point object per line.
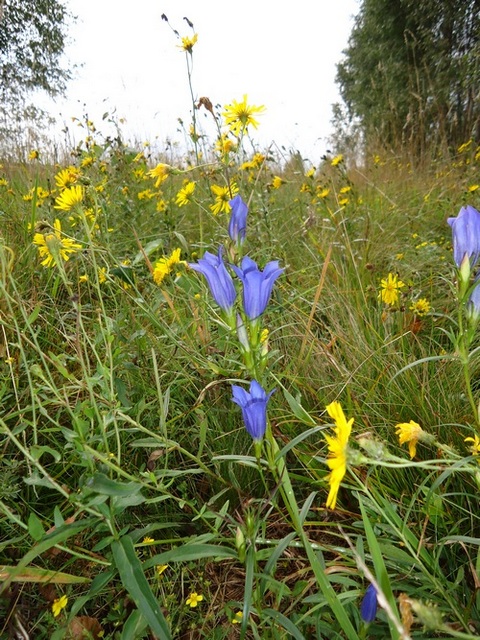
{"type": "Point", "coordinates": [188, 43]}
{"type": "Point", "coordinates": [87, 162]}
{"type": "Point", "coordinates": [53, 245]}
{"type": "Point", "coordinates": [160, 172]}
{"type": "Point", "coordinates": [39, 193]}
{"type": "Point", "coordinates": [184, 196]}
{"type": "Point", "coordinates": [224, 145]}
{"type": "Point", "coordinates": [161, 568]}
{"type": "Point", "coordinates": [323, 193]}
{"type": "Point", "coordinates": [148, 540]}
{"type": "Point", "coordinates": [59, 604]}
{"type": "Point", "coordinates": [389, 289]}
{"type": "Point", "coordinates": [337, 160]}
{"type": "Point", "coordinates": [147, 194]}
{"type": "Point", "coordinates": [66, 177]}
{"type": "Point", "coordinates": [222, 197]}
{"type": "Point", "coordinates": [337, 448]}
{"type": "Point", "coordinates": [473, 187]}
{"type": "Point", "coordinates": [239, 115]}
{"type": "Point", "coordinates": [277, 182]}
{"type": "Point", "coordinates": [475, 448]}
{"type": "Point", "coordinates": [164, 266]}
{"type": "Point", "coordinates": [420, 307]}
{"type": "Point", "coordinates": [238, 617]}
{"type": "Point", "coordinates": [409, 432]}
{"type": "Point", "coordinates": [102, 275]}
{"type": "Point", "coordinates": [161, 206]}
{"type": "Point", "coordinates": [193, 599]}
{"type": "Point", "coordinates": [34, 154]}
{"type": "Point", "coordinates": [257, 160]}
{"type": "Point", "coordinates": [69, 198]}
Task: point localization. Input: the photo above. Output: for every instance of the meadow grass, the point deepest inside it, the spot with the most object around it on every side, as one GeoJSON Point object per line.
{"type": "Point", "coordinates": [133, 502]}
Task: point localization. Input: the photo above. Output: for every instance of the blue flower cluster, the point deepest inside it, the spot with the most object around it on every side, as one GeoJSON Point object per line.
{"type": "Point", "coordinates": [257, 288]}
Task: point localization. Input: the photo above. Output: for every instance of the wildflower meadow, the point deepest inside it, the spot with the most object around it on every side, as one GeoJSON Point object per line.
{"type": "Point", "coordinates": [239, 389]}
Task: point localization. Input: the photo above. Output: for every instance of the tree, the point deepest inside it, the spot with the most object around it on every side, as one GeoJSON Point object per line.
{"type": "Point", "coordinates": [32, 43]}
{"type": "Point", "coordinates": [411, 73]}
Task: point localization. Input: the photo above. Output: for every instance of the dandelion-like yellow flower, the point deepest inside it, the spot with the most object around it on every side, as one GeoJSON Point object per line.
{"type": "Point", "coordinates": [323, 193]}
{"type": "Point", "coordinates": [224, 145]}
{"type": "Point", "coordinates": [164, 266]}
{"type": "Point", "coordinates": [277, 182]}
{"type": "Point", "coordinates": [193, 599]}
{"type": "Point", "coordinates": [390, 287]}
{"type": "Point", "coordinates": [337, 160]}
{"type": "Point", "coordinates": [161, 568]}
{"type": "Point", "coordinates": [409, 432]}
{"type": "Point", "coordinates": [222, 197]}
{"type": "Point", "coordinates": [52, 246]}
{"type": "Point", "coordinates": [185, 195]}
{"type": "Point", "coordinates": [34, 155]}
{"type": "Point", "coordinates": [66, 177]}
{"type": "Point", "coordinates": [59, 604]}
{"type": "Point", "coordinates": [420, 307]}
{"type": "Point", "coordinates": [473, 187]}
{"type": "Point", "coordinates": [148, 540]}
{"type": "Point", "coordinates": [337, 451]}
{"type": "Point", "coordinates": [239, 115]}
{"type": "Point", "coordinates": [161, 206]}
{"type": "Point", "coordinates": [475, 448]}
{"type": "Point", "coordinates": [87, 162]}
{"type": "Point", "coordinates": [69, 198]}
{"type": "Point", "coordinates": [188, 43]}
{"type": "Point", "coordinates": [160, 173]}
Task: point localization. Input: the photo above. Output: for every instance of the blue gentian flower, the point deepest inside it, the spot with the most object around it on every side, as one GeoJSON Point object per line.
{"type": "Point", "coordinates": [218, 279]}
{"type": "Point", "coordinates": [466, 235]}
{"type": "Point", "coordinates": [368, 608]}
{"type": "Point", "coordinates": [473, 305]}
{"type": "Point", "coordinates": [257, 285]}
{"type": "Point", "coordinates": [254, 408]}
{"type": "Point", "coordinates": [237, 227]}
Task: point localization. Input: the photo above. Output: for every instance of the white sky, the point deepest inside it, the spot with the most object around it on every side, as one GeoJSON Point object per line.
{"type": "Point", "coordinates": [281, 58]}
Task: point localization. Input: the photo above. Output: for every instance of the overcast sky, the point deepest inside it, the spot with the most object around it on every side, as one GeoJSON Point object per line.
{"type": "Point", "coordinates": [128, 59]}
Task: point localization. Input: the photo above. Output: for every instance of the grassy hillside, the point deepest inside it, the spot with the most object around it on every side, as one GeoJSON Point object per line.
{"type": "Point", "coordinates": [133, 501]}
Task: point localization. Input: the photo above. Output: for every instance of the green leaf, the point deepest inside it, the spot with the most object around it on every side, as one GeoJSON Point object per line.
{"type": "Point", "coordinates": [100, 483]}
{"type": "Point", "coordinates": [297, 409]}
{"type": "Point", "coordinates": [37, 452]}
{"type": "Point", "coordinates": [98, 584]}
{"type": "Point", "coordinates": [133, 579]}
{"type": "Point", "coordinates": [35, 527]}
{"type": "Point", "coordinates": [33, 574]}
{"type": "Point", "coordinates": [284, 622]}
{"type": "Point", "coordinates": [190, 552]}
